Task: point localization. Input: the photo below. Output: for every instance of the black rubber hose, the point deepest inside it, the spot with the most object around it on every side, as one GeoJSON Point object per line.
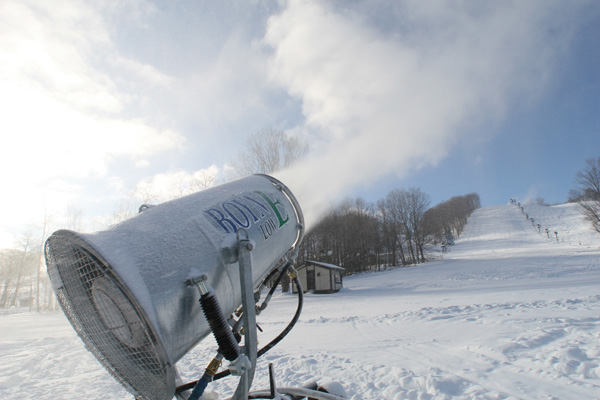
{"type": "Point", "coordinates": [288, 328]}
{"type": "Point", "coordinates": [268, 347]}
{"type": "Point", "coordinates": [271, 274]}
{"type": "Point", "coordinates": [277, 282]}
{"type": "Point", "coordinates": [228, 346]}
{"type": "Point", "coordinates": [279, 337]}
{"type": "Point", "coordinates": [273, 287]}
{"type": "Point", "coordinates": [237, 336]}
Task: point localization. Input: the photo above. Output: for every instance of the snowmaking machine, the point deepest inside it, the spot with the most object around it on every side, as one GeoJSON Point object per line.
{"type": "Point", "coordinates": [141, 294]}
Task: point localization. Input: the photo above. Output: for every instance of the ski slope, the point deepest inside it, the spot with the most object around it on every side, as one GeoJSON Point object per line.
{"type": "Point", "coordinates": [507, 314]}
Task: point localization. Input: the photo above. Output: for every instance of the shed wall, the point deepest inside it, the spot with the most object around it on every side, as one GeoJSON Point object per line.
{"type": "Point", "coordinates": [319, 279]}
{"type": "Point", "coordinates": [322, 279]}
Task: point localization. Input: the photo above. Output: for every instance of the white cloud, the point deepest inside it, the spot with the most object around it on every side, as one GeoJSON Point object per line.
{"type": "Point", "coordinates": [171, 185]}
{"type": "Point", "coordinates": [395, 98]}
{"type": "Point", "coordinates": [146, 74]}
{"type": "Point", "coordinates": [48, 138]}
{"type": "Point", "coordinates": [64, 106]}
{"type": "Point", "coordinates": [40, 46]}
{"type": "Point", "coordinates": [384, 86]}
{"type": "Point", "coordinates": [142, 163]}
{"type": "Point", "coordinates": [54, 94]}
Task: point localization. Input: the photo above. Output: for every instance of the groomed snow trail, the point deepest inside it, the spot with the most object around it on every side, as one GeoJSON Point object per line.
{"type": "Point", "coordinates": [508, 314]}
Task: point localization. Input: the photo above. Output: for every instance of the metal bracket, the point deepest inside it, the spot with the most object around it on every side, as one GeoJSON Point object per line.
{"type": "Point", "coordinates": [245, 247]}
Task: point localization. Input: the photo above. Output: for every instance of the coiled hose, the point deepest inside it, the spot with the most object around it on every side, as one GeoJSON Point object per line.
{"type": "Point", "coordinates": [227, 341]}
{"type": "Point", "coordinates": [218, 324]}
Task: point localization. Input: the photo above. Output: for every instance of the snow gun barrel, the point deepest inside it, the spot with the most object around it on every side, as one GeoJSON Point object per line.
{"type": "Point", "coordinates": [131, 291]}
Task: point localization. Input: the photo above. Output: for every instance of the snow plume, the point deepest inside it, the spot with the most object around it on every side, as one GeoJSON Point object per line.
{"type": "Point", "coordinates": [390, 88]}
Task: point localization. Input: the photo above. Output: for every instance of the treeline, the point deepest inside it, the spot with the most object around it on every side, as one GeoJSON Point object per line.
{"type": "Point", "coordinates": [23, 280]}
{"type": "Point", "coordinates": [447, 220]}
{"type": "Point", "coordinates": [363, 236]}
{"type": "Point", "coordinates": [356, 234]}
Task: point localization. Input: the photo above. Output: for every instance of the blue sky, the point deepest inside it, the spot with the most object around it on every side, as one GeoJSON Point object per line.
{"type": "Point", "coordinates": [537, 148]}
{"type": "Point", "coordinates": [100, 101]}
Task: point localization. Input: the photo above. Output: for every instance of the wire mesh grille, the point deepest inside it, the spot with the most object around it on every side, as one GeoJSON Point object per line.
{"type": "Point", "coordinates": [106, 320]}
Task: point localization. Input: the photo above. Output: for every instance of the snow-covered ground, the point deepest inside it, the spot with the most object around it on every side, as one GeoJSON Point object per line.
{"type": "Point", "coordinates": [508, 313]}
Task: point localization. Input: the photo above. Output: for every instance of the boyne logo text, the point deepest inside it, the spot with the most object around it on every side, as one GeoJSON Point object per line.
{"type": "Point", "coordinates": [249, 209]}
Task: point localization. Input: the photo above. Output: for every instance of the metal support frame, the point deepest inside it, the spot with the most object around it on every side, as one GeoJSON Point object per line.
{"type": "Point", "coordinates": [245, 247]}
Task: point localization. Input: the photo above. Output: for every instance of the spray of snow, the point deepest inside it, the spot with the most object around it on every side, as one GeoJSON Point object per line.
{"type": "Point", "coordinates": [383, 97]}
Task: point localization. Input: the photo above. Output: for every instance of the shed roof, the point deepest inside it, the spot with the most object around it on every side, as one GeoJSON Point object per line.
{"type": "Point", "coordinates": [324, 265]}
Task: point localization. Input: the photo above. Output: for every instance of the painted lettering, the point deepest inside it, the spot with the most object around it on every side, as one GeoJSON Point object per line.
{"type": "Point", "coordinates": [268, 228]}
{"type": "Point", "coordinates": [247, 209]}
{"type": "Point", "coordinates": [274, 205]}
{"type": "Point", "coordinates": [227, 207]}
{"type": "Point", "coordinates": [218, 216]}
{"type": "Point", "coordinates": [245, 206]}
{"type": "Point", "coordinates": [260, 206]}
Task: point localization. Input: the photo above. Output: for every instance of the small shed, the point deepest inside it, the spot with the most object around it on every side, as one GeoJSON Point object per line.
{"type": "Point", "coordinates": [320, 277]}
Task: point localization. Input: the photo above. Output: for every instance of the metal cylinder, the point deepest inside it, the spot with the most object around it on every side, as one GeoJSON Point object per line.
{"type": "Point", "coordinates": [124, 289]}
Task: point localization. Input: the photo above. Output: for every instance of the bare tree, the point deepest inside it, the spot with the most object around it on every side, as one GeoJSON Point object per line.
{"type": "Point", "coordinates": [203, 179]}
{"type": "Point", "coordinates": [389, 233]}
{"type": "Point", "coordinates": [125, 208]}
{"type": "Point", "coordinates": [15, 266]}
{"type": "Point", "coordinates": [588, 179]}
{"type": "Point", "coordinates": [588, 185]}
{"type": "Point", "coordinates": [448, 219]}
{"type": "Point", "coordinates": [29, 261]}
{"type": "Point", "coordinates": [144, 191]}
{"type": "Point", "coordinates": [417, 203]}
{"type": "Point", "coordinates": [574, 196]}
{"type": "Point", "coordinates": [395, 210]}
{"type": "Point", "coordinates": [267, 151]}
{"type": "Point", "coordinates": [9, 266]}
{"type": "Point", "coordinates": [348, 236]}
{"type": "Point", "coordinates": [74, 218]}
{"type": "Point", "coordinates": [44, 229]}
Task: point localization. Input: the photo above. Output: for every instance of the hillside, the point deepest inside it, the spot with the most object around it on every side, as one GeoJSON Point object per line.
{"type": "Point", "coordinates": [508, 313]}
